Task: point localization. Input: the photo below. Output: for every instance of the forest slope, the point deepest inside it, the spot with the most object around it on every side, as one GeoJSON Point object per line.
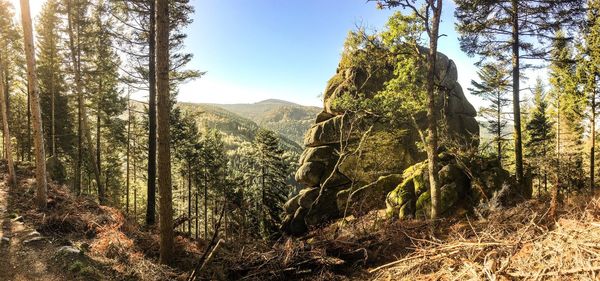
{"type": "Point", "coordinates": [235, 129]}
{"type": "Point", "coordinates": [286, 118]}
{"type": "Point", "coordinates": [512, 243]}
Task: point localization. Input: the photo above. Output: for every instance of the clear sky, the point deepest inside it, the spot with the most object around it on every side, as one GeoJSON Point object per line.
{"type": "Point", "coordinates": [258, 49]}
{"type": "Point", "coordinates": [286, 49]}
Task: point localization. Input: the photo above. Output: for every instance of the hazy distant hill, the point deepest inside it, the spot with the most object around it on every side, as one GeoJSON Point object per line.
{"type": "Point", "coordinates": [286, 118]}
{"type": "Point", "coordinates": [235, 128]}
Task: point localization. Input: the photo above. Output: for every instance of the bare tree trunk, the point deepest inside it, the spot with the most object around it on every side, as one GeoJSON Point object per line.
{"type": "Point", "coordinates": [205, 204]}
{"type": "Point", "coordinates": [189, 183]}
{"type": "Point", "coordinates": [52, 108]}
{"type": "Point", "coordinates": [164, 153]}
{"type": "Point", "coordinates": [554, 200]}
{"type": "Point", "coordinates": [432, 143]}
{"type": "Point", "coordinates": [40, 156]}
{"type": "Point", "coordinates": [128, 153]}
{"type": "Point", "coordinates": [82, 108]}
{"type": "Point", "coordinates": [196, 213]}
{"type": "Point", "coordinates": [151, 204]}
{"type": "Point", "coordinates": [516, 100]}
{"type": "Point", "coordinates": [12, 176]}
{"type": "Point", "coordinates": [592, 149]}
{"type": "Point", "coordinates": [499, 131]}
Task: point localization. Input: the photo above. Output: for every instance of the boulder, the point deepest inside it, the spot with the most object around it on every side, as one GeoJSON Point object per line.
{"type": "Point", "coordinates": [385, 167]}
{"type": "Point", "coordinates": [310, 173]}
{"type": "Point", "coordinates": [368, 197]}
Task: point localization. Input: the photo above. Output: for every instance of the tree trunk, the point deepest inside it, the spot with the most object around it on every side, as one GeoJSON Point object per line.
{"type": "Point", "coordinates": [205, 203]}
{"type": "Point", "coordinates": [164, 153]}
{"type": "Point", "coordinates": [593, 135]}
{"type": "Point", "coordinates": [499, 131]}
{"type": "Point", "coordinates": [28, 151]}
{"type": "Point", "coordinates": [52, 108]}
{"type": "Point", "coordinates": [128, 154]}
{"type": "Point", "coordinates": [12, 176]}
{"type": "Point", "coordinates": [196, 212]}
{"type": "Point", "coordinates": [151, 204]}
{"type": "Point", "coordinates": [432, 143]}
{"type": "Point", "coordinates": [40, 156]}
{"type": "Point", "coordinates": [82, 109]}
{"type": "Point", "coordinates": [554, 200]}
{"type": "Point", "coordinates": [516, 100]}
{"type": "Point", "coordinates": [189, 183]}
{"type": "Point", "coordinates": [98, 135]}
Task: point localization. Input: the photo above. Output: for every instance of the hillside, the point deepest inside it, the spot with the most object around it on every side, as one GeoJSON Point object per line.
{"type": "Point", "coordinates": [235, 129]}
{"type": "Point", "coordinates": [76, 239]}
{"type": "Point", "coordinates": [286, 118]}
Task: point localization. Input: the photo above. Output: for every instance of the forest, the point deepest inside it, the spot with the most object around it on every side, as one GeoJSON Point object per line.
{"type": "Point", "coordinates": [107, 175]}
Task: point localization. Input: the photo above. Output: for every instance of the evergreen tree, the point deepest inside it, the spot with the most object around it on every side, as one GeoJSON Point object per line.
{"type": "Point", "coordinates": [540, 135]}
{"type": "Point", "coordinates": [504, 31]}
{"type": "Point", "coordinates": [56, 113]}
{"type": "Point", "coordinates": [34, 96]}
{"type": "Point", "coordinates": [493, 88]}
{"type": "Point", "coordinates": [271, 173]}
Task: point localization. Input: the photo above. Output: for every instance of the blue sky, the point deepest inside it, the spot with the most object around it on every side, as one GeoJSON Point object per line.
{"type": "Point", "coordinates": [258, 49]}
{"type": "Point", "coordinates": [286, 49]}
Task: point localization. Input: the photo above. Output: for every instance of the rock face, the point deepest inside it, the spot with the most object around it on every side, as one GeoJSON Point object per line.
{"type": "Point", "coordinates": [361, 181]}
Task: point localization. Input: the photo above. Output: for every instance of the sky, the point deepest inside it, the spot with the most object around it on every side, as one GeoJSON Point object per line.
{"type": "Point", "coordinates": [254, 50]}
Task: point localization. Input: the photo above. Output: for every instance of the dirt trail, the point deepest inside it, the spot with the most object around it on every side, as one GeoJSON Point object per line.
{"type": "Point", "coordinates": [24, 253]}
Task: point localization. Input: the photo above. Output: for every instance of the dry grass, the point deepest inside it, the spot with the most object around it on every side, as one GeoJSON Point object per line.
{"type": "Point", "coordinates": [518, 243]}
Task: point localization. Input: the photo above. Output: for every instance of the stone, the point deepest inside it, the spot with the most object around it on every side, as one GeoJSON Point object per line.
{"type": "Point", "coordinates": [327, 132]}
{"type": "Point", "coordinates": [307, 197]}
{"type": "Point", "coordinates": [389, 170]}
{"type": "Point", "coordinates": [323, 116]}
{"type": "Point", "coordinates": [33, 240]}
{"type": "Point", "coordinates": [448, 197]}
{"type": "Point", "coordinates": [369, 197]}
{"type": "Point", "coordinates": [324, 154]}
{"type": "Point", "coordinates": [291, 205]}
{"type": "Point", "coordinates": [310, 173]}
{"type": "Point", "coordinates": [68, 250]}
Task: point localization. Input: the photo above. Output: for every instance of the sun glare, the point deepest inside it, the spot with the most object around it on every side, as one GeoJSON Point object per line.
{"type": "Point", "coordinates": [34, 5]}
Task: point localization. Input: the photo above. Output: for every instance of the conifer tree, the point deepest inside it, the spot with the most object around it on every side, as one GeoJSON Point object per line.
{"type": "Point", "coordinates": [493, 88]}
{"type": "Point", "coordinates": [38, 133]}
{"type": "Point", "coordinates": [271, 173]}
{"type": "Point", "coordinates": [540, 135]}
{"type": "Point", "coordinates": [163, 129]}
{"type": "Point", "coordinates": [504, 31]}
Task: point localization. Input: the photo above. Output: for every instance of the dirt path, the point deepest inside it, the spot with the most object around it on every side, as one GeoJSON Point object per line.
{"type": "Point", "coordinates": [24, 253]}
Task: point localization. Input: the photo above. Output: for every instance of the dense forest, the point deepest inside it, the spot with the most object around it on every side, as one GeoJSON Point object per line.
{"type": "Point", "coordinates": [397, 176]}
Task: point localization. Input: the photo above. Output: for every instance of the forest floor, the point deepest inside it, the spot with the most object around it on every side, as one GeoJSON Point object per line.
{"type": "Point", "coordinates": [76, 239]}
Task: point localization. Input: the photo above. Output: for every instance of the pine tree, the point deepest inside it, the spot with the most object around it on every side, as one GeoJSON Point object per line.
{"type": "Point", "coordinates": [540, 135]}
{"type": "Point", "coordinates": [493, 88]}
{"type": "Point", "coordinates": [504, 30]}
{"type": "Point", "coordinates": [569, 104]}
{"type": "Point", "coordinates": [271, 173]}
{"type": "Point", "coordinates": [137, 17]}
{"type": "Point", "coordinates": [589, 72]}
{"type": "Point", "coordinates": [38, 133]}
{"type": "Point", "coordinates": [163, 136]}
{"type": "Point", "coordinates": [9, 46]}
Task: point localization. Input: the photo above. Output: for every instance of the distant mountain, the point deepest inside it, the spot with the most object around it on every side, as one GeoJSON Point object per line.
{"type": "Point", "coordinates": [234, 128]}
{"type": "Point", "coordinates": [286, 118]}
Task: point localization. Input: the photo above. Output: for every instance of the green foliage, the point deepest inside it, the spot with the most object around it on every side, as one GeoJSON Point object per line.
{"type": "Point", "coordinates": [396, 49]}
{"type": "Point", "coordinates": [494, 87]}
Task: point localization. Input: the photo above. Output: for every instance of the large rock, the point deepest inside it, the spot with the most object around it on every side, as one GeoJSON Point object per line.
{"type": "Point", "coordinates": [373, 171]}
